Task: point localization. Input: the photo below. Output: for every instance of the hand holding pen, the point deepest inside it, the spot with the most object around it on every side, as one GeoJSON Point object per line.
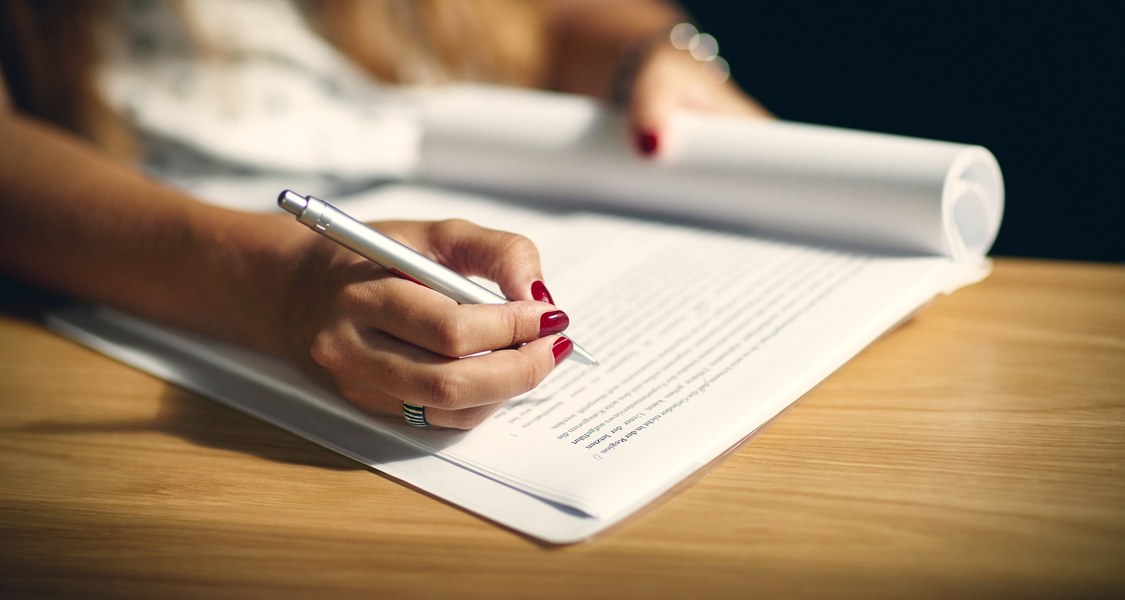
{"type": "Point", "coordinates": [393, 345]}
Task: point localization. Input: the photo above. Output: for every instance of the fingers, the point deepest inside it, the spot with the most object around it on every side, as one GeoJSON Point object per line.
{"type": "Point", "coordinates": [509, 259]}
{"type": "Point", "coordinates": [649, 111]}
{"type": "Point", "coordinates": [379, 373]}
{"type": "Point", "coordinates": [386, 341]}
{"type": "Point", "coordinates": [671, 80]}
{"type": "Point", "coordinates": [424, 318]}
{"type": "Point", "coordinates": [653, 97]}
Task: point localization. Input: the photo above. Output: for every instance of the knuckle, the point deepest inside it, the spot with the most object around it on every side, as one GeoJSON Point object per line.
{"type": "Point", "coordinates": [448, 390]}
{"type": "Point", "coordinates": [325, 351]}
{"type": "Point", "coordinates": [517, 324]}
{"type": "Point", "coordinates": [451, 336]}
{"type": "Point", "coordinates": [447, 227]}
{"type": "Point", "coordinates": [528, 373]}
{"type": "Point", "coordinates": [514, 245]}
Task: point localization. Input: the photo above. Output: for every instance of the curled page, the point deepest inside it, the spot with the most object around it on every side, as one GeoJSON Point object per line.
{"type": "Point", "coordinates": [886, 192]}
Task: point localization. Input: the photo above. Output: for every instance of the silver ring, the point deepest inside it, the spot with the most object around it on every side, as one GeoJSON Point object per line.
{"type": "Point", "coordinates": [415, 415]}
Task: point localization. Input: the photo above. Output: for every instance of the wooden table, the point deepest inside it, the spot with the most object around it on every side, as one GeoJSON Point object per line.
{"type": "Point", "coordinates": [978, 451]}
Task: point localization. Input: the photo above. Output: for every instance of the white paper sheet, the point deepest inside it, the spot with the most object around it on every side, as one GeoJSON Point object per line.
{"type": "Point", "coordinates": [704, 336]}
{"type": "Point", "coordinates": [704, 332]}
{"type": "Point", "coordinates": [883, 191]}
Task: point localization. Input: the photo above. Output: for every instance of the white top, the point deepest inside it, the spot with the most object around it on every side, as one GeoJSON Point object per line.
{"type": "Point", "coordinates": [245, 86]}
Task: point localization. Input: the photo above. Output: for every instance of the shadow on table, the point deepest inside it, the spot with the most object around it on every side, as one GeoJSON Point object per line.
{"type": "Point", "coordinates": [205, 423]}
{"type": "Point", "coordinates": [212, 425]}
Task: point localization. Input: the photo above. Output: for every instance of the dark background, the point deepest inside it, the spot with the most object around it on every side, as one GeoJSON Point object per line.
{"type": "Point", "coordinates": [1038, 83]}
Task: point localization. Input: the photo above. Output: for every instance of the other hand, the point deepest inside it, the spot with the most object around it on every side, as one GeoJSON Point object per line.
{"type": "Point", "coordinates": [668, 79]}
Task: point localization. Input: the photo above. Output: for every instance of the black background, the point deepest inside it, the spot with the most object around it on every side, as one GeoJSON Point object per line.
{"type": "Point", "coordinates": [1038, 83]}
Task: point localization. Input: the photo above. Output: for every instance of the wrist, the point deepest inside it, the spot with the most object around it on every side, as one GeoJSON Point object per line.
{"type": "Point", "coordinates": [589, 39]}
{"type": "Point", "coordinates": [246, 276]}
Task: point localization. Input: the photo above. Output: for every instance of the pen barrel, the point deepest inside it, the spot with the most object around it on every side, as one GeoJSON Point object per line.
{"type": "Point", "coordinates": [338, 226]}
{"type": "Point", "coordinates": [341, 228]}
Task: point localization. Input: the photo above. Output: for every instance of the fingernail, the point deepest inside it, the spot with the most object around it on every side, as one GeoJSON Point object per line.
{"type": "Point", "coordinates": [553, 322]}
{"type": "Point", "coordinates": [539, 292]}
{"type": "Point", "coordinates": [562, 349]}
{"type": "Point", "coordinates": [647, 142]}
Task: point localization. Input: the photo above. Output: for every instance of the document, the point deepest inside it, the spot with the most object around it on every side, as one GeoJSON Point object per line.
{"type": "Point", "coordinates": [716, 285]}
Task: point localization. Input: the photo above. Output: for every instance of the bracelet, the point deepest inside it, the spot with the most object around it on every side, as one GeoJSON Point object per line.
{"type": "Point", "coordinates": [703, 47]}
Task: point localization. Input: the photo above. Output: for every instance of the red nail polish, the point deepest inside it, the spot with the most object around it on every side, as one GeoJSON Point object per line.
{"type": "Point", "coordinates": [539, 292]}
{"type": "Point", "coordinates": [647, 142]}
{"type": "Point", "coordinates": [562, 349]}
{"type": "Point", "coordinates": [553, 322]}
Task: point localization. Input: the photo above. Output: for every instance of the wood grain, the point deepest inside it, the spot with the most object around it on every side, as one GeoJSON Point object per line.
{"type": "Point", "coordinates": [977, 451]}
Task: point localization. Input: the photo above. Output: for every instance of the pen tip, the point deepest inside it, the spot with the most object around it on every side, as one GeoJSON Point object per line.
{"type": "Point", "coordinates": [583, 356]}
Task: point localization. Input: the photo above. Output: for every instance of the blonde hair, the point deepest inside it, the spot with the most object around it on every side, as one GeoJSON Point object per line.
{"type": "Point", "coordinates": [49, 50]}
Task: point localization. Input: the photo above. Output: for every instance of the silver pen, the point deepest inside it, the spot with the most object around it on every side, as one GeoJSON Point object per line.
{"type": "Point", "coordinates": [338, 226]}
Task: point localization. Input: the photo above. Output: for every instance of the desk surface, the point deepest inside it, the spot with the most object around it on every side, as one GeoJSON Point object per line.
{"type": "Point", "coordinates": [977, 451]}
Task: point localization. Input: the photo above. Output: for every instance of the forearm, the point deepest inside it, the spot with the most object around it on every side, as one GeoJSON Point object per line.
{"type": "Point", "coordinates": [84, 225]}
{"type": "Point", "coordinates": [589, 39]}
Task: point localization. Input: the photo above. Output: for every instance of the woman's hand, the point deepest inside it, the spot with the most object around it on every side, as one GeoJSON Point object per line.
{"type": "Point", "coordinates": [667, 79]}
{"type": "Point", "coordinates": [386, 340]}
{"type": "Point", "coordinates": [623, 51]}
